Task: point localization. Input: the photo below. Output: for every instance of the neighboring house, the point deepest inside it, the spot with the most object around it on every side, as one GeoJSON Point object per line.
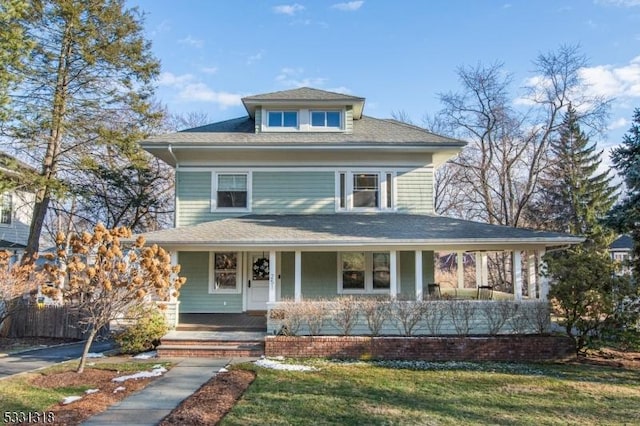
{"type": "Point", "coordinates": [621, 250]}
{"type": "Point", "coordinates": [306, 197]}
{"type": "Point", "coordinates": [16, 205]}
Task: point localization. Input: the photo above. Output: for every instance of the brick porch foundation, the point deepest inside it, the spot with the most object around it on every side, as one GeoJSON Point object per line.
{"type": "Point", "coordinates": [484, 348]}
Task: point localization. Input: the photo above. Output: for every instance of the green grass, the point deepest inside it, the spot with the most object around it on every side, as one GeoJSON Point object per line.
{"type": "Point", "coordinates": [444, 394]}
{"type": "Point", "coordinates": [18, 394]}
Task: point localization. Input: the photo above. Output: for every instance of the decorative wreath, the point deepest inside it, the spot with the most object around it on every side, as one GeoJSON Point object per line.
{"type": "Point", "coordinates": [261, 269]}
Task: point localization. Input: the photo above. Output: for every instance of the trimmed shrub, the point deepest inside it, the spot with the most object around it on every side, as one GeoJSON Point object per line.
{"type": "Point", "coordinates": [145, 333]}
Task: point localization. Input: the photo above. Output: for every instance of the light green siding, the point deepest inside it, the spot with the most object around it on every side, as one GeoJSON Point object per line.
{"type": "Point", "coordinates": [348, 120]}
{"type": "Point", "coordinates": [258, 120]}
{"type": "Point", "coordinates": [194, 295]}
{"type": "Point", "coordinates": [293, 192]}
{"type": "Point", "coordinates": [319, 275]}
{"type": "Point", "coordinates": [287, 275]}
{"type": "Point", "coordinates": [415, 191]}
{"type": "Point", "coordinates": [408, 274]}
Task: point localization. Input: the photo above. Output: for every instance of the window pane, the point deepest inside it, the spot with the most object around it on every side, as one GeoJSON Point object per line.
{"type": "Point", "coordinates": [232, 199]}
{"type": "Point", "coordinates": [343, 191]}
{"type": "Point", "coordinates": [226, 269]}
{"type": "Point", "coordinates": [353, 271]}
{"type": "Point", "coordinates": [5, 209]}
{"type": "Point", "coordinates": [317, 118]}
{"type": "Point", "coordinates": [381, 268]}
{"type": "Point", "coordinates": [275, 119]}
{"type": "Point", "coordinates": [232, 182]}
{"type": "Point", "coordinates": [333, 119]}
{"type": "Point", "coordinates": [290, 119]}
{"type": "Point", "coordinates": [389, 188]}
{"type": "Point", "coordinates": [365, 190]}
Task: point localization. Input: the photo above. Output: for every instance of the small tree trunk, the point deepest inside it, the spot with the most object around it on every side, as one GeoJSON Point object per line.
{"type": "Point", "coordinates": [85, 351]}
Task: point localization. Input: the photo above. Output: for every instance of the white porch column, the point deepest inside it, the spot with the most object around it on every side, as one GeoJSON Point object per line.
{"type": "Point", "coordinates": [272, 276]}
{"type": "Point", "coordinates": [393, 274]}
{"type": "Point", "coordinates": [460, 269]}
{"type": "Point", "coordinates": [516, 274]}
{"type": "Point", "coordinates": [531, 274]}
{"type": "Point", "coordinates": [542, 280]}
{"type": "Point", "coordinates": [478, 269]}
{"type": "Point", "coordinates": [419, 294]}
{"type": "Point", "coordinates": [297, 292]}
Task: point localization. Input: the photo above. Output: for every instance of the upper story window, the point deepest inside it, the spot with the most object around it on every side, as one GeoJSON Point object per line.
{"type": "Point", "coordinates": [326, 119]}
{"type": "Point", "coordinates": [231, 191]}
{"type": "Point", "coordinates": [282, 119]}
{"type": "Point", "coordinates": [365, 191]}
{"type": "Point", "coordinates": [6, 209]}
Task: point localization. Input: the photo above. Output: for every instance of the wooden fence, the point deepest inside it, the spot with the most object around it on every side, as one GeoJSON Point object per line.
{"type": "Point", "coordinates": [48, 321]}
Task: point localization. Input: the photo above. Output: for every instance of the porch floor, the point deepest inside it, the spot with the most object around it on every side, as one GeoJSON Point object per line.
{"type": "Point", "coordinates": [222, 322]}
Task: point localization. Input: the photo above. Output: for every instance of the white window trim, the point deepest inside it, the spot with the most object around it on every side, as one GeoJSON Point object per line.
{"type": "Point", "coordinates": [382, 191]}
{"type": "Point", "coordinates": [327, 128]}
{"type": "Point", "coordinates": [368, 274]}
{"type": "Point", "coordinates": [212, 275]}
{"type": "Point", "coordinates": [11, 210]}
{"type": "Point", "coordinates": [214, 190]}
{"type": "Point", "coordinates": [265, 120]}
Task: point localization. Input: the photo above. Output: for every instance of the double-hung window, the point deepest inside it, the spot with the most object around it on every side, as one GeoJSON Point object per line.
{"type": "Point", "coordinates": [231, 191]}
{"type": "Point", "coordinates": [326, 119]}
{"type": "Point", "coordinates": [365, 191]}
{"type": "Point", "coordinates": [364, 272]}
{"type": "Point", "coordinates": [282, 119]}
{"type": "Point", "coordinates": [224, 276]}
{"type": "Point", "coordinates": [6, 209]}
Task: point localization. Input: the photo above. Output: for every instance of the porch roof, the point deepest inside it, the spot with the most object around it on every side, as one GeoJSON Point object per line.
{"type": "Point", "coordinates": [355, 230]}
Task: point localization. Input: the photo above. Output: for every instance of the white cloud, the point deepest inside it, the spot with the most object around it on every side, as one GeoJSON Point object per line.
{"type": "Point", "coordinates": [209, 70]}
{"type": "Point", "coordinates": [349, 6]}
{"type": "Point", "coordinates": [190, 41]}
{"type": "Point", "coordinates": [614, 81]}
{"type": "Point", "coordinates": [618, 124]}
{"type": "Point", "coordinates": [189, 88]}
{"type": "Point", "coordinates": [609, 81]}
{"type": "Point", "coordinates": [288, 9]}
{"type": "Point", "coordinates": [255, 58]}
{"type": "Point", "coordinates": [170, 79]}
{"type": "Point", "coordinates": [619, 3]}
{"type": "Point", "coordinates": [294, 77]}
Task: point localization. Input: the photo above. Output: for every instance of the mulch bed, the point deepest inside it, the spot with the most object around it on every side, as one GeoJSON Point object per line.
{"type": "Point", "coordinates": [212, 401]}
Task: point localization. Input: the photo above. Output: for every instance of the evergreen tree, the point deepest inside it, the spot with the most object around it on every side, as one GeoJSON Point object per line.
{"type": "Point", "coordinates": [626, 215]}
{"type": "Point", "coordinates": [88, 82]}
{"type": "Point", "coordinates": [576, 197]}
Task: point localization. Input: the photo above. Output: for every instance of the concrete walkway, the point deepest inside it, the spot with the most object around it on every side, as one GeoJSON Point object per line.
{"type": "Point", "coordinates": [151, 404]}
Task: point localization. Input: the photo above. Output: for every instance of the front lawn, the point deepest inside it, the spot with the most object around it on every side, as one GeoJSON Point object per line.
{"type": "Point", "coordinates": [440, 393]}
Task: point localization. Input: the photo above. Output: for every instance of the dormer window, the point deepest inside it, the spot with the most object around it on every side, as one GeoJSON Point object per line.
{"type": "Point", "coordinates": [326, 119]}
{"type": "Point", "coordinates": [283, 119]}
{"type": "Point", "coordinates": [6, 209]}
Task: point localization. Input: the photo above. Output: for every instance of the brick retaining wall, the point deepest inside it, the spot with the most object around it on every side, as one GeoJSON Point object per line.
{"type": "Point", "coordinates": [489, 348]}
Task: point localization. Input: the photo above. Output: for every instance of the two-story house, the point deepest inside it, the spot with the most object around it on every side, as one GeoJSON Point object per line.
{"type": "Point", "coordinates": [306, 197]}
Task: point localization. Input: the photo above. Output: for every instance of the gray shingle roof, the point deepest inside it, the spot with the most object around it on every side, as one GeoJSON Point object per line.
{"type": "Point", "coordinates": [241, 131]}
{"type": "Point", "coordinates": [351, 229]}
{"type": "Point", "coordinates": [303, 94]}
{"type": "Point", "coordinates": [623, 242]}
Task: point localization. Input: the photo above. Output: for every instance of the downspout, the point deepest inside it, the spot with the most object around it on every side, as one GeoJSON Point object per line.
{"type": "Point", "coordinates": [175, 160]}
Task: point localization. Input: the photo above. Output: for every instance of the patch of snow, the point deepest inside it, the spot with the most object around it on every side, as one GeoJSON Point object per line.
{"type": "Point", "coordinates": [276, 365]}
{"type": "Point", "coordinates": [223, 370]}
{"type": "Point", "coordinates": [90, 391]}
{"type": "Point", "coordinates": [119, 389]}
{"type": "Point", "coordinates": [95, 355]}
{"type": "Point", "coordinates": [147, 355]}
{"type": "Point", "coordinates": [70, 399]}
{"type": "Point", "coordinates": [141, 375]}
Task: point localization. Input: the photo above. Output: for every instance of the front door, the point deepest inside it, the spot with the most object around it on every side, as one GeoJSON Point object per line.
{"type": "Point", "coordinates": [258, 284]}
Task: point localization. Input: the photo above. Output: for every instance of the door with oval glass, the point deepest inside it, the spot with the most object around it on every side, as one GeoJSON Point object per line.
{"type": "Point", "coordinates": [258, 285]}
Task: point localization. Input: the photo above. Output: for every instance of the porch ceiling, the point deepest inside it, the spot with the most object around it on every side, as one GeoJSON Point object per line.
{"type": "Point", "coordinates": [323, 232]}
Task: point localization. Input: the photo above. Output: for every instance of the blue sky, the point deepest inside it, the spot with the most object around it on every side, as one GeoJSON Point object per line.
{"type": "Point", "coordinates": [399, 55]}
